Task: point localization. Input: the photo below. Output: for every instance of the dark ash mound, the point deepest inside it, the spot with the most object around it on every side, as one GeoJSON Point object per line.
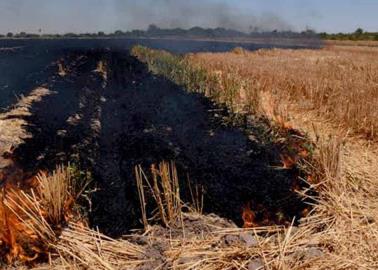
{"type": "Point", "coordinates": [135, 117]}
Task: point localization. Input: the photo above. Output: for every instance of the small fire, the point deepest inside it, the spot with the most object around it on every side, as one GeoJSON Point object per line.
{"type": "Point", "coordinates": [12, 232]}
{"type": "Point", "coordinates": [282, 122]}
{"type": "Point", "coordinates": [288, 162]}
{"type": "Point", "coordinates": [248, 217]}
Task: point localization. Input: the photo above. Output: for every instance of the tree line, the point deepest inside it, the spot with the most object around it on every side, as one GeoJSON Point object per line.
{"type": "Point", "coordinates": [359, 34]}
{"type": "Point", "coordinates": [154, 31]}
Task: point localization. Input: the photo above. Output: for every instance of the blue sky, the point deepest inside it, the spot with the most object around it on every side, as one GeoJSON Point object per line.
{"type": "Point", "coordinates": [108, 15]}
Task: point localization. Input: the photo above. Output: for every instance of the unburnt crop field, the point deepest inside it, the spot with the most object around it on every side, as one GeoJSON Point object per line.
{"type": "Point", "coordinates": [191, 155]}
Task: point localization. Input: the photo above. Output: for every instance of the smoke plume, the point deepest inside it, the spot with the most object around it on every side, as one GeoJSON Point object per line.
{"type": "Point", "coordinates": [187, 14]}
{"type": "Point", "coordinates": [111, 15]}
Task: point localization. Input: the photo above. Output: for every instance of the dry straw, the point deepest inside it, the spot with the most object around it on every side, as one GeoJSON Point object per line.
{"type": "Point", "coordinates": [334, 90]}
{"type": "Point", "coordinates": [164, 188]}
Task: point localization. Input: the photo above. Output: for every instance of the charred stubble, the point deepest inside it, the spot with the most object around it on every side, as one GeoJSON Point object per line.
{"type": "Point", "coordinates": [133, 117]}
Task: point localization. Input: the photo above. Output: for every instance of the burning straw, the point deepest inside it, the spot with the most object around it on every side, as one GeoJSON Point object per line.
{"type": "Point", "coordinates": [32, 218]}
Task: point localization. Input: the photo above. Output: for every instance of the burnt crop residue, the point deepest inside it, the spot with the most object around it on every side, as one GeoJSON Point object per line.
{"type": "Point", "coordinates": [112, 116]}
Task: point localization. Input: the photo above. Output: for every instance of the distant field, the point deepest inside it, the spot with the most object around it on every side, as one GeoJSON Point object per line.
{"type": "Point", "coordinates": [338, 83]}
{"type": "Point", "coordinates": [370, 43]}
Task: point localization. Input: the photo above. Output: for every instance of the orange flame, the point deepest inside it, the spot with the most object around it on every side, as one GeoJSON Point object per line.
{"type": "Point", "coordinates": [17, 240]}
{"type": "Point", "coordinates": [288, 162]}
{"type": "Point", "coordinates": [12, 232]}
{"type": "Point", "coordinates": [281, 122]}
{"type": "Point", "coordinates": [248, 217]}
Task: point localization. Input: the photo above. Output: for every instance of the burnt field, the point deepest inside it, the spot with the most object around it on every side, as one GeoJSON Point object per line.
{"type": "Point", "coordinates": [114, 156]}
{"type": "Point", "coordinates": [100, 109]}
{"type": "Point", "coordinates": [112, 116]}
{"type": "Point", "coordinates": [24, 63]}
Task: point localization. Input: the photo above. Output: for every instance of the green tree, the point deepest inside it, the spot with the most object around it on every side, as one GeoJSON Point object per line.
{"type": "Point", "coordinates": [153, 28]}
{"type": "Point", "coordinates": [118, 33]}
{"type": "Point", "coordinates": [359, 31]}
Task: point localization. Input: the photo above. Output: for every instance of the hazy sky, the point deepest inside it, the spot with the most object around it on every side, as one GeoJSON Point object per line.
{"type": "Point", "coordinates": [108, 15]}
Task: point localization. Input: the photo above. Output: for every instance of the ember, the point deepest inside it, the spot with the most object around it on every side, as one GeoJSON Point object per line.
{"type": "Point", "coordinates": [288, 162]}
{"type": "Point", "coordinates": [248, 217]}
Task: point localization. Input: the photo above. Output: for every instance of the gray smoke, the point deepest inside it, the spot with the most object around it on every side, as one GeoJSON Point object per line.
{"type": "Point", "coordinates": [187, 14]}
{"type": "Point", "coordinates": [111, 15]}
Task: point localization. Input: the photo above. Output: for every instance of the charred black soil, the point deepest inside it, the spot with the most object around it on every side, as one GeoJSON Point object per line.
{"type": "Point", "coordinates": [111, 118]}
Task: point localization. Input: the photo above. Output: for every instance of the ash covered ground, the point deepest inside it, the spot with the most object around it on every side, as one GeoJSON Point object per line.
{"type": "Point", "coordinates": [112, 116]}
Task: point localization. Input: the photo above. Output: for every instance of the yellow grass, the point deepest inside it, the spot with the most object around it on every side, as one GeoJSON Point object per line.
{"type": "Point", "coordinates": [165, 190]}
{"type": "Point", "coordinates": [332, 94]}
{"type": "Point", "coordinates": [339, 84]}
{"type": "Point", "coordinates": [369, 43]}
{"type": "Point", "coordinates": [54, 192]}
